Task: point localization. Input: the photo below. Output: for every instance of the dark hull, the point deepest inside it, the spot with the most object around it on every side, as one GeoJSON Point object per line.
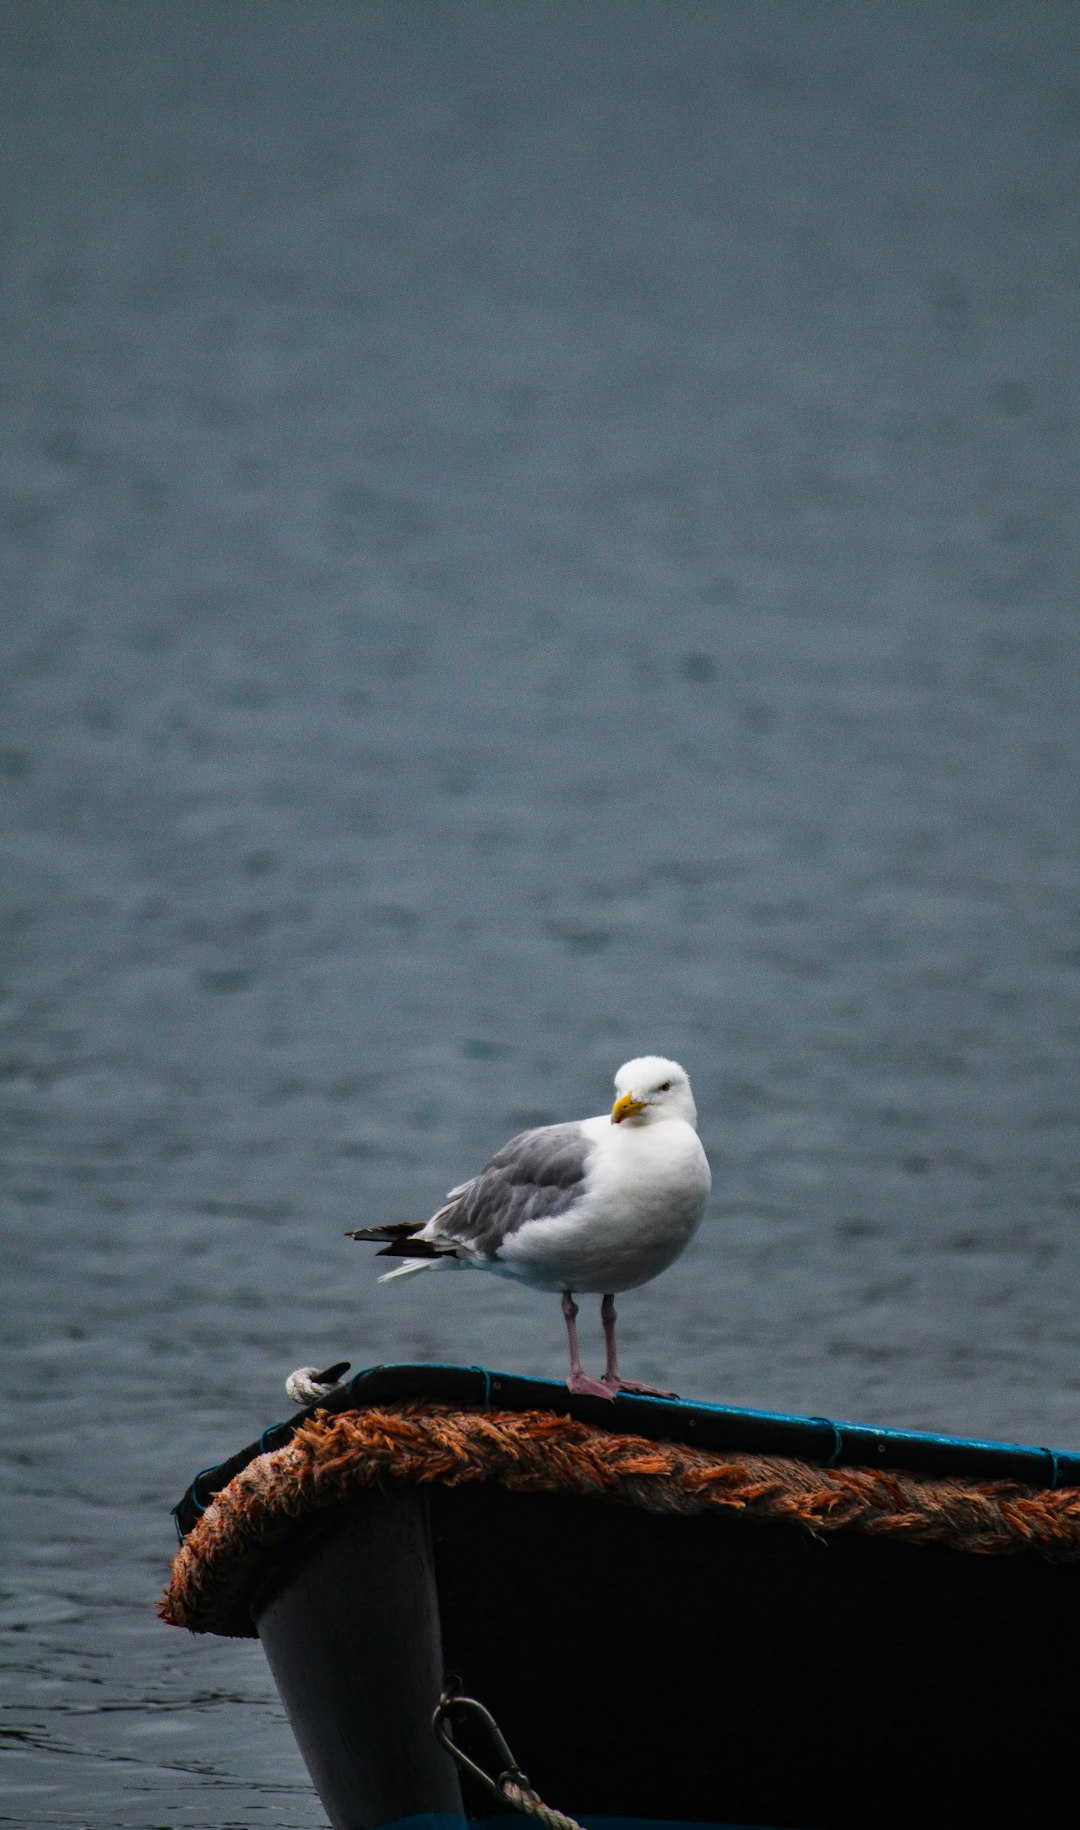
{"type": "Point", "coordinates": [673, 1668]}
{"type": "Point", "coordinates": [670, 1668]}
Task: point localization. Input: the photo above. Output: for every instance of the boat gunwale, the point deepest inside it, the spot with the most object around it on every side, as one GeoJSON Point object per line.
{"type": "Point", "coordinates": [825, 1441]}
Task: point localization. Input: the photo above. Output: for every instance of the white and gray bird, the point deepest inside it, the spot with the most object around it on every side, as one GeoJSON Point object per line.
{"type": "Point", "coordinates": [592, 1207]}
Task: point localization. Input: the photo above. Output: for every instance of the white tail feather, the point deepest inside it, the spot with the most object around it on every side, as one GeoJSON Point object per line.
{"type": "Point", "coordinates": [409, 1270]}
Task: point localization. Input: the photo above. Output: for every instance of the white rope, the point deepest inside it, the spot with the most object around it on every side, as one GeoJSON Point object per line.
{"type": "Point", "coordinates": [511, 1787]}
{"type": "Point", "coordinates": [303, 1386]}
{"type": "Point", "coordinates": [523, 1798]}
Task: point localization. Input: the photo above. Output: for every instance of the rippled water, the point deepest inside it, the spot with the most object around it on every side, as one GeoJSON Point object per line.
{"type": "Point", "coordinates": [538, 533]}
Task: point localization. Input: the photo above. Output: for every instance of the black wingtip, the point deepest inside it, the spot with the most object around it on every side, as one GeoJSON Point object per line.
{"type": "Point", "coordinates": [392, 1229]}
{"type": "Point", "coordinates": [412, 1248]}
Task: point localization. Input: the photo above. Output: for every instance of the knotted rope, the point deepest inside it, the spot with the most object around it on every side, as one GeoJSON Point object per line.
{"type": "Point", "coordinates": [333, 1456]}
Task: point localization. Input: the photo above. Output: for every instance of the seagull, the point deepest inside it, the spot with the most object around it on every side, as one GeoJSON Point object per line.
{"type": "Point", "coordinates": [596, 1206]}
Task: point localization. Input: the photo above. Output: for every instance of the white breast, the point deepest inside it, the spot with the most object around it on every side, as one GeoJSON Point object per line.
{"type": "Point", "coordinates": [643, 1199]}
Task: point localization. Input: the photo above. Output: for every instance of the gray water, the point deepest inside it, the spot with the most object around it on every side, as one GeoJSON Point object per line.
{"type": "Point", "coordinates": [537, 533]}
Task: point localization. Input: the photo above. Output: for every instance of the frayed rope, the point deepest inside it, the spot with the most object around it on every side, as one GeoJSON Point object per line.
{"type": "Point", "coordinates": [333, 1456]}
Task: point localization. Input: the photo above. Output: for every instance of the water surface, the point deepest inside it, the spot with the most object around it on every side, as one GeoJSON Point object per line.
{"type": "Point", "coordinates": [538, 533]}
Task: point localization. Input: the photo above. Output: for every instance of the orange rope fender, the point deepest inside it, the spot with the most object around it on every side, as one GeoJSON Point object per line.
{"type": "Point", "coordinates": [333, 1456]}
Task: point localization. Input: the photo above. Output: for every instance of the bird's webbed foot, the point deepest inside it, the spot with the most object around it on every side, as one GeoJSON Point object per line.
{"type": "Point", "coordinates": [630, 1385]}
{"type": "Point", "coordinates": [581, 1383]}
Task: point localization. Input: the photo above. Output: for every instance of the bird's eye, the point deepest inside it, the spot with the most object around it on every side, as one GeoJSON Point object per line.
{"type": "Point", "coordinates": [664, 1087]}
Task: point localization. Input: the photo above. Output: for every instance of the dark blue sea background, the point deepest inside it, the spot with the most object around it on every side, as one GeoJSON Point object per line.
{"type": "Point", "coordinates": [537, 532]}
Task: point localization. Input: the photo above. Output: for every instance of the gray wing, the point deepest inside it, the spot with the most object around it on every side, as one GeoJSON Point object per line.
{"type": "Point", "coordinates": [536, 1176]}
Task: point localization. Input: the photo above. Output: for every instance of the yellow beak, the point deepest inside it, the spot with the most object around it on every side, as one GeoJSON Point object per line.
{"type": "Point", "coordinates": [626, 1107]}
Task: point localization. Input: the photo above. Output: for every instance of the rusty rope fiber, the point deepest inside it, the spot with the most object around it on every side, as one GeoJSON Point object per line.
{"type": "Point", "coordinates": [334, 1455]}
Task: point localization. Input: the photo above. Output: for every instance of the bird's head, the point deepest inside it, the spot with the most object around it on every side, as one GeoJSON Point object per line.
{"type": "Point", "coordinates": [650, 1089]}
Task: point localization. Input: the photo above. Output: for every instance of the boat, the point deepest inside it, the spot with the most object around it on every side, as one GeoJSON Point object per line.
{"type": "Point", "coordinates": [481, 1595]}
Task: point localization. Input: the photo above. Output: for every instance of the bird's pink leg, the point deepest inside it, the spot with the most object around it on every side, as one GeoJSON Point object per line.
{"type": "Point", "coordinates": [579, 1381]}
{"type": "Point", "coordinates": [612, 1378]}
